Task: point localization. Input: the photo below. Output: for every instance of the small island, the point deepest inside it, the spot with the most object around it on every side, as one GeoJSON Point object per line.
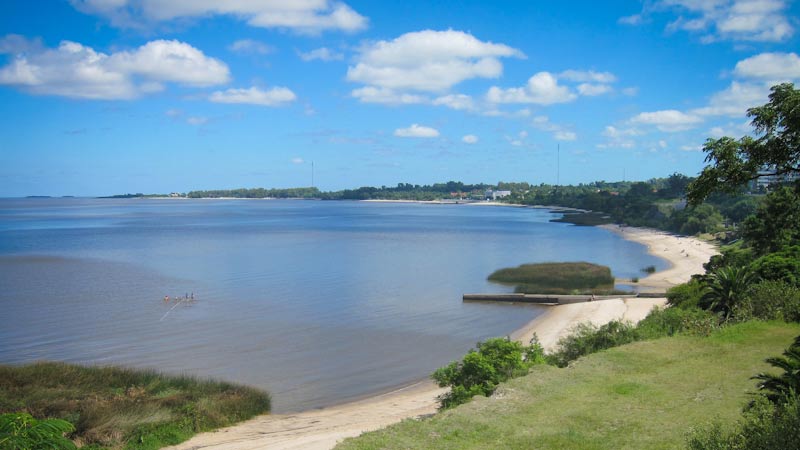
{"type": "Point", "coordinates": [557, 278]}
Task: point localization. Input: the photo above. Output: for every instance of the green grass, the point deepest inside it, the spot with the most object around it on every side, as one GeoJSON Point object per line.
{"type": "Point", "coordinates": [116, 407]}
{"type": "Point", "coordinates": [557, 278]}
{"type": "Point", "coordinates": [644, 395]}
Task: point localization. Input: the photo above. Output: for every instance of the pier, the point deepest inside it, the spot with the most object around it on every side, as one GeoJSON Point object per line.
{"type": "Point", "coordinates": [551, 299]}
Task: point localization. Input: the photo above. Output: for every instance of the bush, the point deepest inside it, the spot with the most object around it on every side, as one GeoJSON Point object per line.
{"type": "Point", "coordinates": [556, 278]}
{"type": "Point", "coordinates": [588, 338]}
{"type": "Point", "coordinates": [495, 360]}
{"type": "Point", "coordinates": [783, 266]}
{"type": "Point", "coordinates": [20, 431]}
{"type": "Point", "coordinates": [771, 300]}
{"type": "Point", "coordinates": [670, 321]}
{"type": "Point", "coordinates": [763, 427]}
{"type": "Point", "coordinates": [649, 269]}
{"type": "Point", "coordinates": [686, 295]}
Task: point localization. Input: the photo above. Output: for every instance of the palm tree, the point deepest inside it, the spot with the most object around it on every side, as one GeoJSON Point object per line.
{"type": "Point", "coordinates": [726, 287]}
{"type": "Point", "coordinates": [787, 384]}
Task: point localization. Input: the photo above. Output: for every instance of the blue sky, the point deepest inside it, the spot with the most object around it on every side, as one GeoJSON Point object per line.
{"type": "Point", "coordinates": [112, 96]}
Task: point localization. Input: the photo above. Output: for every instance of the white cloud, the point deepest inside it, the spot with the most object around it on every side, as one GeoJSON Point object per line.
{"type": "Point", "coordinates": [669, 120]}
{"type": "Point", "coordinates": [459, 102]}
{"type": "Point", "coordinates": [276, 96]}
{"type": "Point", "coordinates": [590, 90]}
{"type": "Point", "coordinates": [417, 131]}
{"type": "Point", "coordinates": [78, 71]}
{"type": "Point", "coordinates": [427, 61]}
{"type": "Point", "coordinates": [745, 20]}
{"type": "Point", "coordinates": [197, 121]}
{"type": "Point", "coordinates": [559, 133]}
{"type": "Point", "coordinates": [563, 135]}
{"type": "Point", "coordinates": [470, 139]}
{"type": "Point", "coordinates": [321, 54]}
{"type": "Point", "coordinates": [773, 67]}
{"type": "Point", "coordinates": [298, 160]}
{"type": "Point", "coordinates": [371, 94]}
{"type": "Point", "coordinates": [735, 100]}
{"type": "Point", "coordinates": [630, 91]}
{"type": "Point", "coordinates": [307, 16]}
{"type": "Point", "coordinates": [634, 19]}
{"type": "Point", "coordinates": [586, 76]}
{"type": "Point", "coordinates": [662, 143]}
{"type": "Point", "coordinates": [541, 89]}
{"type": "Point", "coordinates": [250, 46]}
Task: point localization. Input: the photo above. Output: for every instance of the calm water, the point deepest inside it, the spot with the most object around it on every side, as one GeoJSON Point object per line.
{"type": "Point", "coordinates": [317, 302]}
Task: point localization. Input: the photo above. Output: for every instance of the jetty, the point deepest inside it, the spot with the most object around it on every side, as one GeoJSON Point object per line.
{"type": "Point", "coordinates": [553, 299]}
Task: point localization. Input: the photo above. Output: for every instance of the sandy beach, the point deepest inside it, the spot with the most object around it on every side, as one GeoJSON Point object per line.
{"type": "Point", "coordinates": [323, 428]}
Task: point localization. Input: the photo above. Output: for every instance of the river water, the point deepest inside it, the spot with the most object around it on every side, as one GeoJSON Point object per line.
{"type": "Point", "coordinates": [316, 302]}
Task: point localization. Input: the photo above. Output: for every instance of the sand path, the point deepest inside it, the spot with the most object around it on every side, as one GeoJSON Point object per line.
{"type": "Point", "coordinates": [323, 428]}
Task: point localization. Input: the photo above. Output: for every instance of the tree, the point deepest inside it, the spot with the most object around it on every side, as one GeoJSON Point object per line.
{"type": "Point", "coordinates": [775, 152]}
{"type": "Point", "coordinates": [779, 387]}
{"type": "Point", "coordinates": [727, 287]}
{"type": "Point", "coordinates": [776, 223]}
{"type": "Point", "coordinates": [496, 360]}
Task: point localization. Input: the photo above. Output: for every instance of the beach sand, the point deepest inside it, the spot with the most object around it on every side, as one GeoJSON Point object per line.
{"type": "Point", "coordinates": [323, 428]}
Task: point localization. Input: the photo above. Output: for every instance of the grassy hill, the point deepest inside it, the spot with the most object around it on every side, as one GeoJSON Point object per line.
{"type": "Point", "coordinates": [643, 395]}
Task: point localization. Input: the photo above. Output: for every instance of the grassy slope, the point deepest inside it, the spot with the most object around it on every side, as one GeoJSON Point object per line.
{"type": "Point", "coordinates": [643, 395]}
{"type": "Point", "coordinates": [119, 407]}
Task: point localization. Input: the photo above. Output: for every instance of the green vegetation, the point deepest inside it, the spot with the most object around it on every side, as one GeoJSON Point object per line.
{"type": "Point", "coordinates": [557, 278]}
{"type": "Point", "coordinates": [257, 193]}
{"type": "Point", "coordinates": [771, 421]}
{"type": "Point", "coordinates": [496, 360]}
{"type": "Point", "coordinates": [649, 269]}
{"type": "Point", "coordinates": [643, 395]}
{"type": "Point", "coordinates": [23, 432]}
{"type": "Point", "coordinates": [134, 409]}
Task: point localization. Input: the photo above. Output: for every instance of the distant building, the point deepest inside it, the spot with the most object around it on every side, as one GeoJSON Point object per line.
{"type": "Point", "coordinates": [494, 195]}
{"type": "Point", "coordinates": [767, 179]}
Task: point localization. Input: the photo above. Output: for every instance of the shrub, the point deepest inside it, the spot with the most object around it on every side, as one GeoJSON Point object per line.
{"type": "Point", "coordinates": [587, 338]}
{"type": "Point", "coordinates": [783, 265]}
{"type": "Point", "coordinates": [670, 321]}
{"type": "Point", "coordinates": [763, 426]}
{"type": "Point", "coordinates": [685, 295]}
{"type": "Point", "coordinates": [770, 300]}
{"type": "Point", "coordinates": [20, 431]}
{"type": "Point", "coordinates": [495, 360]}
{"type": "Point", "coordinates": [649, 269]}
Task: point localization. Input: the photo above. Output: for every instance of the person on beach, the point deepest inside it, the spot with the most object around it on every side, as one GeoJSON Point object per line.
{"type": "Point", "coordinates": [591, 299]}
{"type": "Point", "coordinates": [166, 299]}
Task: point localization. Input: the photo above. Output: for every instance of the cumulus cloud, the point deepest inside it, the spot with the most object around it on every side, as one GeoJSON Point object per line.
{"type": "Point", "coordinates": [735, 100]}
{"type": "Point", "coordinates": [470, 139]}
{"type": "Point", "coordinates": [427, 61]}
{"type": "Point", "coordinates": [310, 16]}
{"type": "Point", "coordinates": [739, 20]}
{"type": "Point", "coordinates": [541, 89]}
{"type": "Point", "coordinates": [372, 94]}
{"type": "Point", "coordinates": [559, 133]}
{"type": "Point", "coordinates": [321, 54]}
{"type": "Point", "coordinates": [250, 46]}
{"type": "Point", "coordinates": [276, 96]}
{"type": "Point", "coordinates": [586, 76]}
{"type": "Point", "coordinates": [417, 131]}
{"type": "Point", "coordinates": [460, 102]}
{"type": "Point", "coordinates": [773, 67]}
{"type": "Point", "coordinates": [591, 90]}
{"type": "Point", "coordinates": [77, 71]}
{"type": "Point", "coordinates": [669, 120]}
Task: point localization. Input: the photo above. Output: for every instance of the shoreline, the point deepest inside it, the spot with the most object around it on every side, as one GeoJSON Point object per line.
{"type": "Point", "coordinates": [324, 428]}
